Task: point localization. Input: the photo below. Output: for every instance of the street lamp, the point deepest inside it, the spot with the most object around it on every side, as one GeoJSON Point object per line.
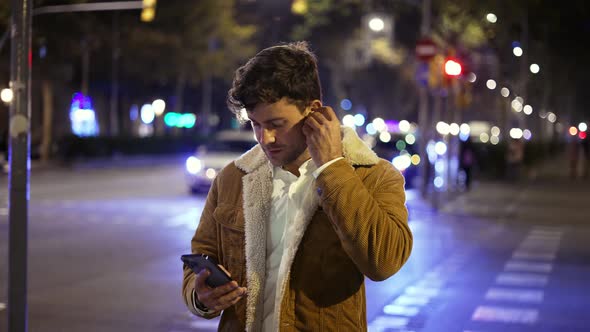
{"type": "Point", "coordinates": [505, 92]}
{"type": "Point", "coordinates": [158, 106]}
{"type": "Point", "coordinates": [535, 68]}
{"type": "Point", "coordinates": [491, 84]}
{"type": "Point", "coordinates": [517, 51]}
{"type": "Point", "coordinates": [6, 95]}
{"type": "Point", "coordinates": [492, 18]}
{"type": "Point", "coordinates": [527, 109]}
{"type": "Point", "coordinates": [376, 24]}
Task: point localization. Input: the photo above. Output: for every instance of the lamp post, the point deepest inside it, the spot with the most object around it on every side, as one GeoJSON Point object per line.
{"type": "Point", "coordinates": [20, 114]}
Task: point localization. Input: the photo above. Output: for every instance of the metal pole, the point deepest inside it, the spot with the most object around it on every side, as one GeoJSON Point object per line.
{"type": "Point", "coordinates": [423, 98]}
{"type": "Point", "coordinates": [20, 113]}
{"type": "Point", "coordinates": [114, 116]}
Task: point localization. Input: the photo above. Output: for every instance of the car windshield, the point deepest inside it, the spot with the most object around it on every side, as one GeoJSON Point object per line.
{"type": "Point", "coordinates": [237, 146]}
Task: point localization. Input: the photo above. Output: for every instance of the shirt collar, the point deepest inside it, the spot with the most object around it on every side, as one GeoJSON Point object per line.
{"type": "Point", "coordinates": [305, 169]}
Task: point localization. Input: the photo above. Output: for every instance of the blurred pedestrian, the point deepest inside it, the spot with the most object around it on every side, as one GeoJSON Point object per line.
{"type": "Point", "coordinates": [515, 159]}
{"type": "Point", "coordinates": [467, 160]}
{"type": "Point", "coordinates": [4, 141]}
{"type": "Point", "coordinates": [585, 143]}
{"type": "Point", "coordinates": [302, 218]}
{"type": "Point", "coordinates": [573, 154]}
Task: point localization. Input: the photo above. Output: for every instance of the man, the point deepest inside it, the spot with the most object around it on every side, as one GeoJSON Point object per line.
{"type": "Point", "coordinates": [301, 218]}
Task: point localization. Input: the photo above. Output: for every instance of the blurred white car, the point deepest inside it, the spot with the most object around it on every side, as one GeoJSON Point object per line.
{"type": "Point", "coordinates": [210, 158]}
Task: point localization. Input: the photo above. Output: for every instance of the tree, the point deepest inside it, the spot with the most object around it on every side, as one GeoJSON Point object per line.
{"type": "Point", "coordinates": [188, 43]}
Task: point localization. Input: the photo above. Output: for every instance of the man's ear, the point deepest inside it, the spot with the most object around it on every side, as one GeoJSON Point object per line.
{"type": "Point", "coordinates": [316, 103]}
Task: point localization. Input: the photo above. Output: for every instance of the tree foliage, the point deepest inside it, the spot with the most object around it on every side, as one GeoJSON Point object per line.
{"type": "Point", "coordinates": [197, 38]}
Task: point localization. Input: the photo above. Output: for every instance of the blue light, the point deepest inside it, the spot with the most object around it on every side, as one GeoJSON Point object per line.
{"type": "Point", "coordinates": [133, 112]}
{"type": "Point", "coordinates": [359, 120]}
{"type": "Point", "coordinates": [371, 129]}
{"type": "Point", "coordinates": [82, 116]}
{"type": "Point", "coordinates": [187, 120]}
{"type": "Point", "coordinates": [147, 113]}
{"type": "Point", "coordinates": [346, 104]}
{"type": "Point", "coordinates": [515, 44]}
{"type": "Point", "coordinates": [439, 182]}
{"type": "Point", "coordinates": [464, 136]}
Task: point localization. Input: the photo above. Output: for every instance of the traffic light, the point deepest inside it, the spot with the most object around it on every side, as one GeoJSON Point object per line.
{"type": "Point", "coordinates": [453, 67]}
{"type": "Point", "coordinates": [148, 13]}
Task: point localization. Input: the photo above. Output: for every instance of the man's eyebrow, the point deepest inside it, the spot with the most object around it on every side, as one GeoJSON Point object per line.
{"type": "Point", "coordinates": [269, 120]}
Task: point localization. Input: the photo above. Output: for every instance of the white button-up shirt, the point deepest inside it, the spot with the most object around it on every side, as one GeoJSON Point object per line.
{"type": "Point", "coordinates": [287, 194]}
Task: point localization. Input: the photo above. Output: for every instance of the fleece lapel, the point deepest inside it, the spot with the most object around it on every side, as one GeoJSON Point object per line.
{"type": "Point", "coordinates": [257, 190]}
{"type": "Point", "coordinates": [293, 235]}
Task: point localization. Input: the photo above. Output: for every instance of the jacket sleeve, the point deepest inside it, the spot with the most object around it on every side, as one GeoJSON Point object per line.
{"type": "Point", "coordinates": [203, 242]}
{"type": "Point", "coordinates": [369, 216]}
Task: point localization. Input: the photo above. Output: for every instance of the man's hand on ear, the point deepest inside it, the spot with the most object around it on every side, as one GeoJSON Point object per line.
{"type": "Point", "coordinates": [322, 131]}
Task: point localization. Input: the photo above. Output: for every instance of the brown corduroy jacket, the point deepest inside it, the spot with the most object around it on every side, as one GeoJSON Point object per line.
{"type": "Point", "coordinates": [352, 224]}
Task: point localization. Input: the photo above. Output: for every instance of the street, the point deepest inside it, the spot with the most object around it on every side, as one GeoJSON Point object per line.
{"type": "Point", "coordinates": [104, 248]}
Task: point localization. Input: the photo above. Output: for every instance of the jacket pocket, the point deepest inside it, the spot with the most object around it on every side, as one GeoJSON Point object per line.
{"type": "Point", "coordinates": [231, 237]}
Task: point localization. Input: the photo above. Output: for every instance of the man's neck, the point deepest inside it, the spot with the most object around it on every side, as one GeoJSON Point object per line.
{"type": "Point", "coordinates": [293, 166]}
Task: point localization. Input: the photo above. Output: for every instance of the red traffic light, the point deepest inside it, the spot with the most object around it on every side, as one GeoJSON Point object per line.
{"type": "Point", "coordinates": [453, 68]}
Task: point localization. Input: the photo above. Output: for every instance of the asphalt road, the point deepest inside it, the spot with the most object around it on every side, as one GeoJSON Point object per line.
{"type": "Point", "coordinates": [104, 247]}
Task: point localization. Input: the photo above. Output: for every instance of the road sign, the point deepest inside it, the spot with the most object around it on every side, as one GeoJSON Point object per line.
{"type": "Point", "coordinates": [425, 49]}
{"type": "Point", "coordinates": [422, 72]}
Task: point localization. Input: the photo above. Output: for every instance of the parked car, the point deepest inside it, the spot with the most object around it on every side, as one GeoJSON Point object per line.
{"type": "Point", "coordinates": [202, 167]}
{"type": "Point", "coordinates": [401, 159]}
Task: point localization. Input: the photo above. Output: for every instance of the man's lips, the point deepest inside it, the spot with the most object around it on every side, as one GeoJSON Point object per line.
{"type": "Point", "coordinates": [274, 150]}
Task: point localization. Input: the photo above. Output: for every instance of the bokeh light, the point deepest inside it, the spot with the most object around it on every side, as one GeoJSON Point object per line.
{"type": "Point", "coordinates": [505, 92]}
{"type": "Point", "coordinates": [492, 18]}
{"type": "Point", "coordinates": [385, 137]}
{"type": "Point", "coordinates": [404, 126]}
{"type": "Point", "coordinates": [346, 104]}
{"type": "Point", "coordinates": [484, 137]}
{"type": "Point", "coordinates": [491, 84]}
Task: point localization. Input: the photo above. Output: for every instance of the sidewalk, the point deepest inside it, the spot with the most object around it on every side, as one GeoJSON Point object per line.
{"type": "Point", "coordinates": [118, 161]}
{"type": "Point", "coordinates": [501, 198]}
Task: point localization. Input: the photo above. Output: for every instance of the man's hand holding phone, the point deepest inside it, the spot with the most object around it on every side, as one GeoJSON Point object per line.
{"type": "Point", "coordinates": [218, 298]}
{"type": "Point", "coordinates": [322, 132]}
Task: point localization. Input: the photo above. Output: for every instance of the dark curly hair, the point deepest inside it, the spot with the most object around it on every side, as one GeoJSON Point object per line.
{"type": "Point", "coordinates": [288, 70]}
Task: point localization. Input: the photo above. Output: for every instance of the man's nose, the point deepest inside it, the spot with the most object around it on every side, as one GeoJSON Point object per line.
{"type": "Point", "coordinates": [268, 137]}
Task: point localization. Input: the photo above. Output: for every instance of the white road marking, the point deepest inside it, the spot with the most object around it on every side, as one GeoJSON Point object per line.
{"type": "Point", "coordinates": [431, 283]}
{"type": "Point", "coordinates": [528, 267]}
{"type": "Point", "coordinates": [515, 295]}
{"type": "Point", "coordinates": [411, 300]}
{"type": "Point", "coordinates": [526, 254]}
{"type": "Point", "coordinates": [392, 309]}
{"type": "Point", "coordinates": [413, 290]}
{"type": "Point", "coordinates": [505, 315]}
{"type": "Point", "coordinates": [522, 279]}
{"type": "Point", "coordinates": [382, 323]}
{"type": "Point", "coordinates": [205, 324]}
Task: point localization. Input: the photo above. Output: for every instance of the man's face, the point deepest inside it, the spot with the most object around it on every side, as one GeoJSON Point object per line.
{"type": "Point", "coordinates": [277, 128]}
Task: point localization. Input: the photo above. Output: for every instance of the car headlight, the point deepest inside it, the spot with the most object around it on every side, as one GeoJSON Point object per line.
{"type": "Point", "coordinates": [210, 173]}
{"type": "Point", "coordinates": [194, 165]}
{"type": "Point", "coordinates": [402, 162]}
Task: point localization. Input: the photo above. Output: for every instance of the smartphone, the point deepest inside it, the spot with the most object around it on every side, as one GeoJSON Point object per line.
{"type": "Point", "coordinates": [197, 262]}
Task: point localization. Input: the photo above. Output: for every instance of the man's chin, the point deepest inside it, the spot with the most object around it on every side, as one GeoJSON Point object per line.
{"type": "Point", "coordinates": [274, 161]}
